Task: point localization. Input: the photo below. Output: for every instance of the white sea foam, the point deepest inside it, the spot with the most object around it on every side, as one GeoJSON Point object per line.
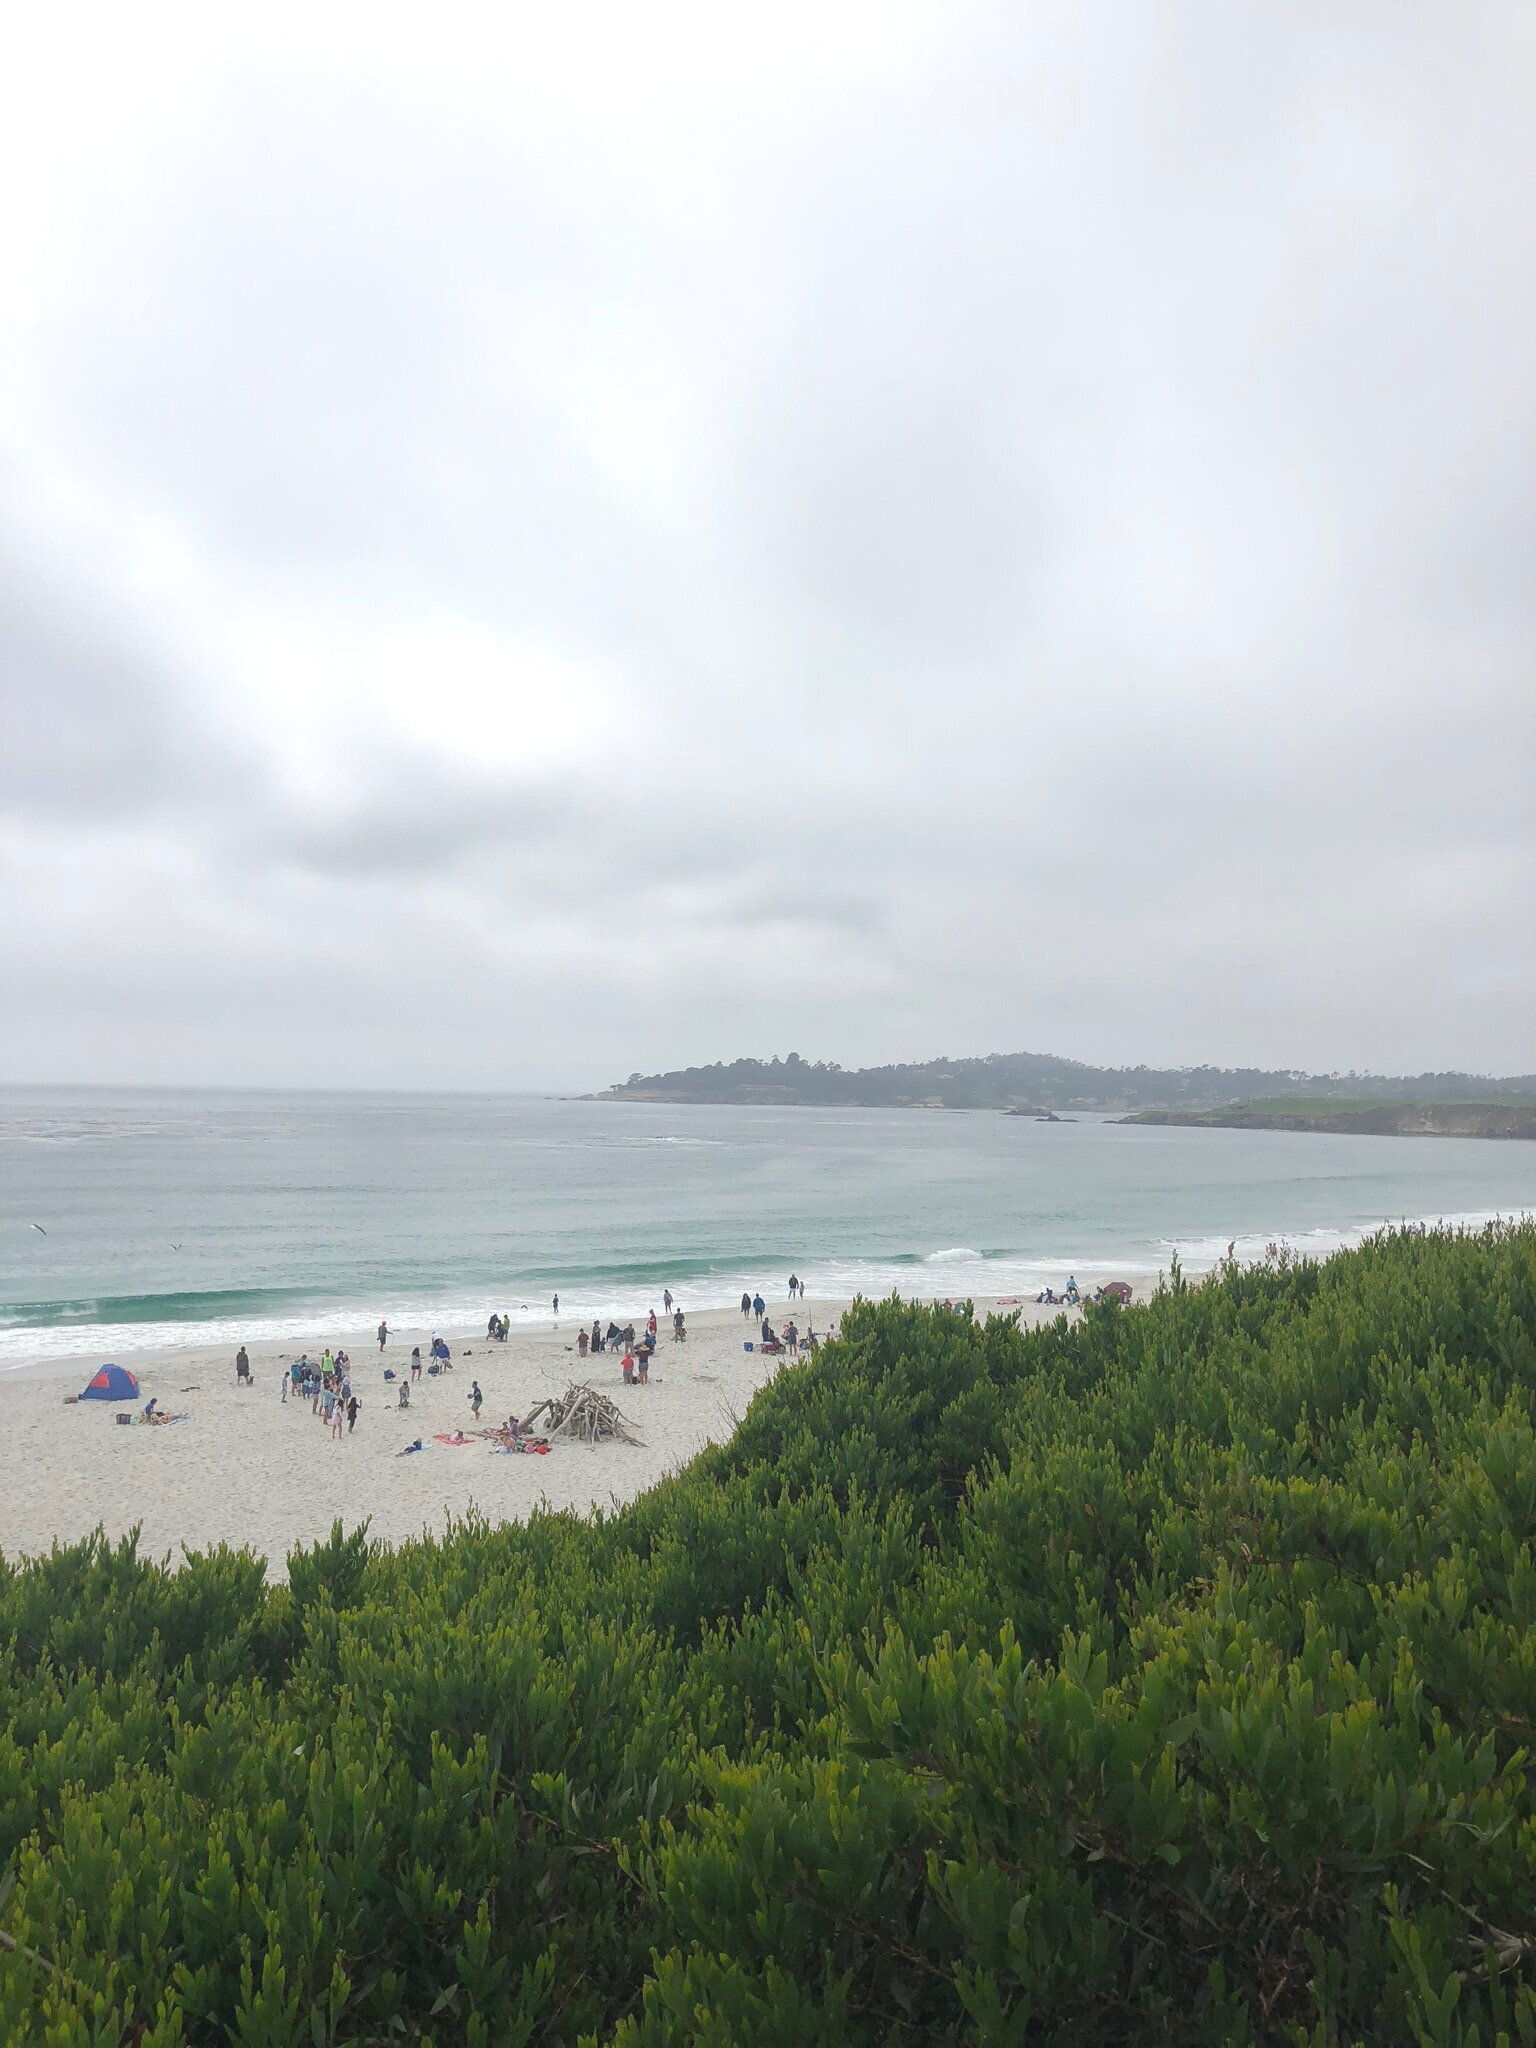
{"type": "Point", "coordinates": [961, 1274]}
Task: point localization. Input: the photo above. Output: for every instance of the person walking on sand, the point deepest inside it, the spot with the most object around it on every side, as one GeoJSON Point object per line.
{"type": "Point", "coordinates": [285, 1384]}
{"type": "Point", "coordinates": [338, 1416]}
{"type": "Point", "coordinates": [383, 1334]}
{"type": "Point", "coordinates": [746, 1305]}
{"type": "Point", "coordinates": [352, 1408]}
{"type": "Point", "coordinates": [415, 1361]}
{"type": "Point", "coordinates": [475, 1398]}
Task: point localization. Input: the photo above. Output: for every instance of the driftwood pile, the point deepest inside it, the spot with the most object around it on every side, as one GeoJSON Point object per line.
{"type": "Point", "coordinates": [583, 1415]}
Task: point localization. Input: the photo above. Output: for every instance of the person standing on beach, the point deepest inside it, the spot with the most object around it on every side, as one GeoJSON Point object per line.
{"type": "Point", "coordinates": [285, 1383]}
{"type": "Point", "coordinates": [415, 1361]}
{"type": "Point", "coordinates": [383, 1334]}
{"type": "Point", "coordinates": [666, 1299]}
{"type": "Point", "coordinates": [557, 1307]}
{"type": "Point", "coordinates": [338, 1415]}
{"type": "Point", "coordinates": [475, 1398]}
{"type": "Point", "coordinates": [758, 1306]}
{"type": "Point", "coordinates": [794, 1286]}
{"type": "Point", "coordinates": [746, 1304]}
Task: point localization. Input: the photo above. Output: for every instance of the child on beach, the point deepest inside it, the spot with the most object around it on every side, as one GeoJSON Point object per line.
{"type": "Point", "coordinates": [338, 1415]}
{"type": "Point", "coordinates": [475, 1398]}
{"type": "Point", "coordinates": [629, 1368]}
{"type": "Point", "coordinates": [643, 1362]}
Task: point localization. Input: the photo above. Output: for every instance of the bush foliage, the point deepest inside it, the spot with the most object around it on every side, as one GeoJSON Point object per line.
{"type": "Point", "coordinates": [1167, 1678]}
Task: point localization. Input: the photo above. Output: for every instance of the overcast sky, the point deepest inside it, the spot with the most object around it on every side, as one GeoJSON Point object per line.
{"type": "Point", "coordinates": [542, 542]}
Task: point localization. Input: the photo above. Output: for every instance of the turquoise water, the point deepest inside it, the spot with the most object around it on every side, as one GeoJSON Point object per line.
{"type": "Point", "coordinates": [185, 1217]}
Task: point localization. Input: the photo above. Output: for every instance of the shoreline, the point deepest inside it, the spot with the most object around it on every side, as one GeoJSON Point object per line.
{"type": "Point", "coordinates": [250, 1470]}
{"type": "Point", "coordinates": [27, 1349]}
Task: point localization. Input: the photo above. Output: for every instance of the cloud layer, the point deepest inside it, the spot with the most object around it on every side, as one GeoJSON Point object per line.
{"type": "Point", "coordinates": [527, 553]}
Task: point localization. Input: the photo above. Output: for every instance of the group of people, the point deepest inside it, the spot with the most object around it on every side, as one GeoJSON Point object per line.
{"type": "Point", "coordinates": [754, 1305]}
{"type": "Point", "coordinates": [637, 1352]}
{"type": "Point", "coordinates": [327, 1386]}
{"type": "Point", "coordinates": [786, 1339]}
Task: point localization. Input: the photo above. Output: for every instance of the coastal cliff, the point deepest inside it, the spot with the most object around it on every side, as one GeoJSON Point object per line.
{"type": "Point", "coordinates": [1367, 1119]}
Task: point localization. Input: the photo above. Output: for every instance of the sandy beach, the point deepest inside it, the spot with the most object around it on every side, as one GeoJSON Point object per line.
{"type": "Point", "coordinates": [250, 1470]}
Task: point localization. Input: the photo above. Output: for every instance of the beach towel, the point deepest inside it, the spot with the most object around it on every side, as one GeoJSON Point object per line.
{"type": "Point", "coordinates": [455, 1442]}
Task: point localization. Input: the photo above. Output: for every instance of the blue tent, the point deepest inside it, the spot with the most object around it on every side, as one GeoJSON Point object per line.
{"type": "Point", "coordinates": [112, 1383]}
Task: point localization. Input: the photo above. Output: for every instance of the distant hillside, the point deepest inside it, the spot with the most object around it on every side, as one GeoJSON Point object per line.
{"type": "Point", "coordinates": [1041, 1081]}
{"type": "Point", "coordinates": [1369, 1119]}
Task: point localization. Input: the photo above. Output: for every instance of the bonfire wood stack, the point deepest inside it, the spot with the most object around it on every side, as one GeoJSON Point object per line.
{"type": "Point", "coordinates": [583, 1414]}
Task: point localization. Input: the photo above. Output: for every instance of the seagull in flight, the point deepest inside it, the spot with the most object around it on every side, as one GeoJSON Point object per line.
{"type": "Point", "coordinates": [175, 1247]}
{"type": "Point", "coordinates": [39, 1229]}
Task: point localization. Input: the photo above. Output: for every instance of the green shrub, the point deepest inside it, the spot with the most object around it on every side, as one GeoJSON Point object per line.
{"type": "Point", "coordinates": [1166, 1678]}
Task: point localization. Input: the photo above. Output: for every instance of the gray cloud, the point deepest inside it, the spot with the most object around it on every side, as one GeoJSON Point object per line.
{"type": "Point", "coordinates": [1010, 531]}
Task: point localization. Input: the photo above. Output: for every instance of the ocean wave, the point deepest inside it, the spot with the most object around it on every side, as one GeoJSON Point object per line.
{"type": "Point", "coordinates": [103, 1326]}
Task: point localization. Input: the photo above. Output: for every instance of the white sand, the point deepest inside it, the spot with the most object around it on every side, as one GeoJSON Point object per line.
{"type": "Point", "coordinates": [250, 1470]}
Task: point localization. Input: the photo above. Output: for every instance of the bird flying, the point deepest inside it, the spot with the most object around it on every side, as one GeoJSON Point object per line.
{"type": "Point", "coordinates": [39, 1229]}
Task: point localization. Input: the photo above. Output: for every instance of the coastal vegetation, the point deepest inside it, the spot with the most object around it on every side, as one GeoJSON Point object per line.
{"type": "Point", "coordinates": [1165, 1677]}
{"type": "Point", "coordinates": [1366, 1119]}
{"type": "Point", "coordinates": [1041, 1081]}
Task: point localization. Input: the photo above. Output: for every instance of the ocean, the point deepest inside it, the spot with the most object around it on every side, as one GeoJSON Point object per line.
{"type": "Point", "coordinates": [170, 1217]}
